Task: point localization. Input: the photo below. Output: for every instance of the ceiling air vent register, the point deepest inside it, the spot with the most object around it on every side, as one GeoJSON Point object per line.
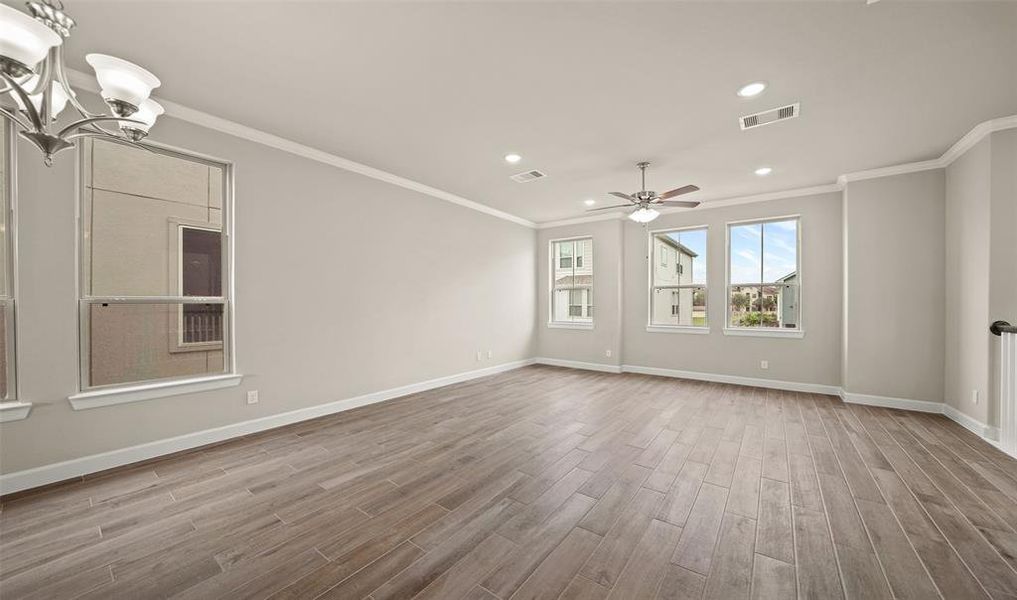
{"type": "Point", "coordinates": [527, 176]}
{"type": "Point", "coordinates": [770, 116]}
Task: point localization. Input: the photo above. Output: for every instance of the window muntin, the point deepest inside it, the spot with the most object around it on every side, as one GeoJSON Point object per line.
{"type": "Point", "coordinates": [155, 262]}
{"type": "Point", "coordinates": [678, 292]}
{"type": "Point", "coordinates": [8, 372]}
{"type": "Point", "coordinates": [764, 274]}
{"type": "Point", "coordinates": [572, 281]}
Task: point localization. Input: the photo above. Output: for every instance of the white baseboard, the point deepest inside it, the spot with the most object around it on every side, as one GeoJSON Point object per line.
{"type": "Point", "coordinates": [575, 364]}
{"type": "Point", "coordinates": [986, 432]}
{"type": "Point", "coordinates": [890, 402]}
{"type": "Point", "coordinates": [62, 471]}
{"type": "Point", "coordinates": [793, 386]}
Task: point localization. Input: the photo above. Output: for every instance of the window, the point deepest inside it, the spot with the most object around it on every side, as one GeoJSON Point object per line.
{"type": "Point", "coordinates": [8, 386]}
{"type": "Point", "coordinates": [678, 295]}
{"type": "Point", "coordinates": [155, 273]}
{"type": "Point", "coordinates": [764, 270]}
{"type": "Point", "coordinates": [572, 286]}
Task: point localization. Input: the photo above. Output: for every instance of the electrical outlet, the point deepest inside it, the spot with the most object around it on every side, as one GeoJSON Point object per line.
{"type": "Point", "coordinates": [974, 396]}
{"type": "Point", "coordinates": [479, 356]}
{"type": "Point", "coordinates": [252, 397]}
{"type": "Point", "coordinates": [764, 364]}
{"type": "Point", "coordinates": [490, 353]}
{"type": "Point", "coordinates": [607, 353]}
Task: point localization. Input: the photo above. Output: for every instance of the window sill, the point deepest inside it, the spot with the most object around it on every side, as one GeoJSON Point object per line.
{"type": "Point", "coordinates": [770, 333]}
{"type": "Point", "coordinates": [14, 411]}
{"type": "Point", "coordinates": [150, 391]}
{"type": "Point", "coordinates": [554, 325]}
{"type": "Point", "coordinates": [677, 329]}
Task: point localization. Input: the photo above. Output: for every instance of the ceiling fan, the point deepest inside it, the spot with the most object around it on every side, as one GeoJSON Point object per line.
{"type": "Point", "coordinates": [644, 199]}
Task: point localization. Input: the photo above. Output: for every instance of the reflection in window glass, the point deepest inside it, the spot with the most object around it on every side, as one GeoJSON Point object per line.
{"type": "Point", "coordinates": [678, 279]}
{"type": "Point", "coordinates": [763, 273]}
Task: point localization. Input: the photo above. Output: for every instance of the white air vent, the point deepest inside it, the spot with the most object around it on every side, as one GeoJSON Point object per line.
{"type": "Point", "coordinates": [769, 116]}
{"type": "Point", "coordinates": [526, 176]}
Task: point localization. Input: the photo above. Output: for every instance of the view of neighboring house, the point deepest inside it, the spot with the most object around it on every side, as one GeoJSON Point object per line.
{"type": "Point", "coordinates": [672, 266]}
{"type": "Point", "coordinates": [573, 281]}
{"type": "Point", "coordinates": [771, 305]}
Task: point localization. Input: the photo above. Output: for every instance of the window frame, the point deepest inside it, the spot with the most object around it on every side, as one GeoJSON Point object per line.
{"type": "Point", "coordinates": [552, 262]}
{"type": "Point", "coordinates": [651, 262]}
{"type": "Point", "coordinates": [89, 396]}
{"type": "Point", "coordinates": [796, 333]}
{"type": "Point", "coordinates": [9, 300]}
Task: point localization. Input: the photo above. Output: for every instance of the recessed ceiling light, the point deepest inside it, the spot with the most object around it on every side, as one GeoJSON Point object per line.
{"type": "Point", "coordinates": [763, 171]}
{"type": "Point", "coordinates": [513, 158]}
{"type": "Point", "coordinates": [589, 202]}
{"type": "Point", "coordinates": [752, 89]}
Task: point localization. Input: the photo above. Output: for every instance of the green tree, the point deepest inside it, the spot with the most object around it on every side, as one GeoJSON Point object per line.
{"type": "Point", "coordinates": [740, 301]}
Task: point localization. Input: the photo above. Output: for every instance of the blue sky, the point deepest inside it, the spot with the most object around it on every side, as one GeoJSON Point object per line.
{"type": "Point", "coordinates": [696, 241]}
{"type": "Point", "coordinates": [779, 250]}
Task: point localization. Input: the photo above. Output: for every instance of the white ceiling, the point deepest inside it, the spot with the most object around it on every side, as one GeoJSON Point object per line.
{"type": "Point", "coordinates": [439, 93]}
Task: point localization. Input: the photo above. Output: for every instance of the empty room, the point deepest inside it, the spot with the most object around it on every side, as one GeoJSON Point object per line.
{"type": "Point", "coordinates": [494, 300]}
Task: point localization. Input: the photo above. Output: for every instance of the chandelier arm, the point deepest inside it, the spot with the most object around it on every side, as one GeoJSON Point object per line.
{"type": "Point", "coordinates": [60, 75]}
{"type": "Point", "coordinates": [93, 121]}
{"type": "Point", "coordinates": [14, 117]}
{"type": "Point", "coordinates": [26, 103]}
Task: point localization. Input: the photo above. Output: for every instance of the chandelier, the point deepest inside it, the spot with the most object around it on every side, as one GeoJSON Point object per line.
{"type": "Point", "coordinates": [32, 71]}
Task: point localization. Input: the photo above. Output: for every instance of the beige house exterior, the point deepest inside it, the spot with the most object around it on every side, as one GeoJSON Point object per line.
{"type": "Point", "coordinates": [151, 227]}
{"type": "Point", "coordinates": [672, 266]}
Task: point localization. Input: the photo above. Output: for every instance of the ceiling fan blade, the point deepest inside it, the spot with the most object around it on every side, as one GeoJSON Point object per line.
{"type": "Point", "coordinates": [624, 196]}
{"type": "Point", "coordinates": [607, 207]}
{"type": "Point", "coordinates": [682, 203]}
{"type": "Point", "coordinates": [687, 189]}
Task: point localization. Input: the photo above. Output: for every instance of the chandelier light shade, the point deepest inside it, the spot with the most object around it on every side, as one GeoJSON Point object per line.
{"type": "Point", "coordinates": [59, 97]}
{"type": "Point", "coordinates": [122, 81]}
{"type": "Point", "coordinates": [644, 215]}
{"type": "Point", "coordinates": [24, 40]}
{"type": "Point", "coordinates": [32, 71]}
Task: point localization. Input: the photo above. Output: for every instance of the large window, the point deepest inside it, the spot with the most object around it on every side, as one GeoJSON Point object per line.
{"type": "Point", "coordinates": [678, 278]}
{"type": "Point", "coordinates": [764, 275]}
{"type": "Point", "coordinates": [155, 265]}
{"type": "Point", "coordinates": [8, 385]}
{"type": "Point", "coordinates": [572, 281]}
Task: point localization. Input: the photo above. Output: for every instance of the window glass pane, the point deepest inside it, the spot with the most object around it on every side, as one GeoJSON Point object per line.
{"type": "Point", "coordinates": [133, 211]}
{"type": "Point", "coordinates": [572, 281]}
{"type": "Point", "coordinates": [786, 308]}
{"type": "Point", "coordinates": [136, 342]}
{"type": "Point", "coordinates": [201, 262]}
{"type": "Point", "coordinates": [780, 251]}
{"type": "Point", "coordinates": [743, 306]}
{"type": "Point", "coordinates": [678, 292]}
{"type": "Point", "coordinates": [678, 306]}
{"type": "Point", "coordinates": [746, 253]}
{"type": "Point", "coordinates": [693, 257]}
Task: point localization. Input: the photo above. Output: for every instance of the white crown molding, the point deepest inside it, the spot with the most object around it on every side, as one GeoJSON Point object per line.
{"type": "Point", "coordinates": [87, 82]}
{"type": "Point", "coordinates": [63, 471]}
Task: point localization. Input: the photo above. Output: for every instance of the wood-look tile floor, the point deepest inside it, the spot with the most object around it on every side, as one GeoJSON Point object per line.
{"type": "Point", "coordinates": [543, 483]}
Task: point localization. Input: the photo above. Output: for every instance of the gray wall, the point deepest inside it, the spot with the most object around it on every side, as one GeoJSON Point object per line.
{"type": "Point", "coordinates": [981, 270]}
{"type": "Point", "coordinates": [621, 322]}
{"type": "Point", "coordinates": [894, 286]}
{"type": "Point", "coordinates": [345, 285]}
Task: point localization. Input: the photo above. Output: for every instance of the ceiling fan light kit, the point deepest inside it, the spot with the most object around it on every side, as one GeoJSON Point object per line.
{"type": "Point", "coordinates": [644, 200]}
{"type": "Point", "coordinates": [32, 71]}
